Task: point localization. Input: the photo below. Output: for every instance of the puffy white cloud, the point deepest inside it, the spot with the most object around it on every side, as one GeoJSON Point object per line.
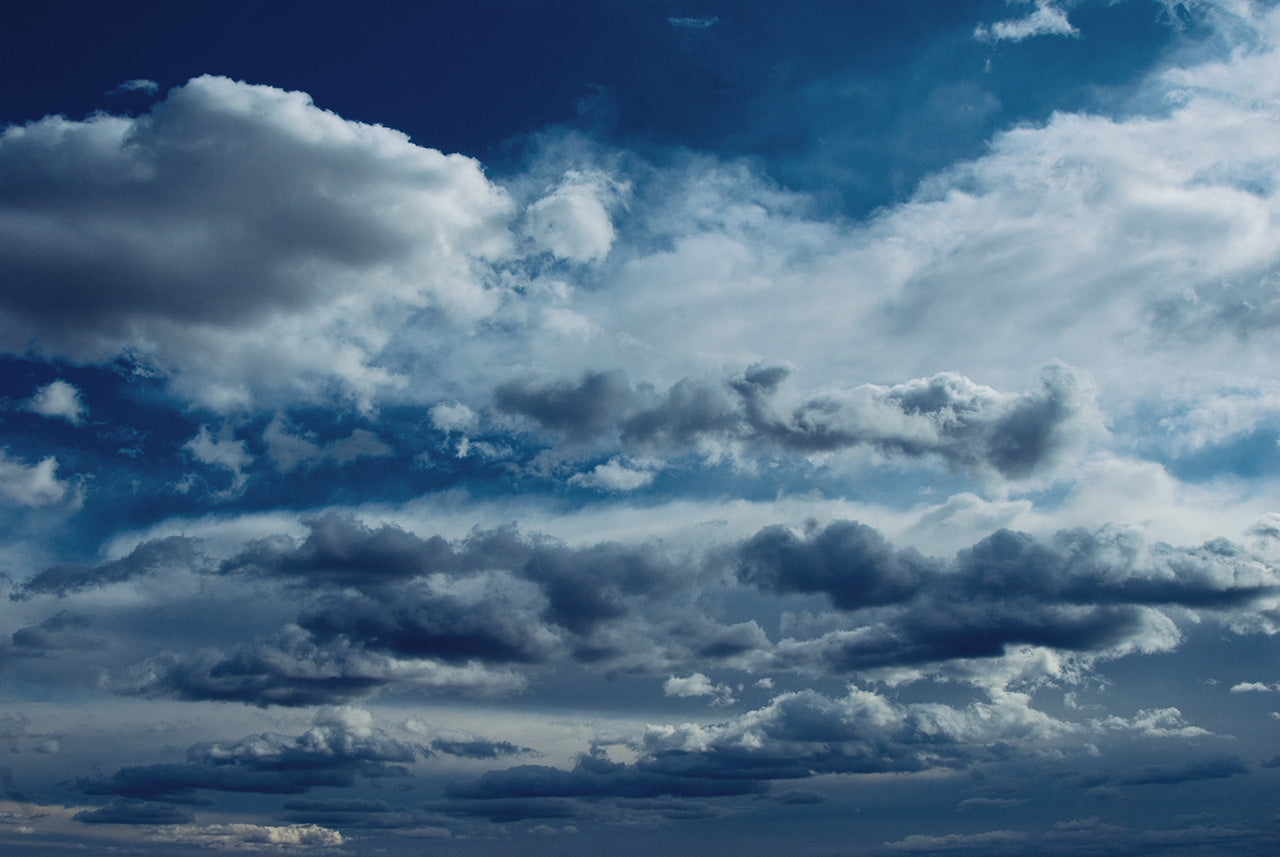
{"type": "Point", "coordinates": [572, 221]}
{"type": "Point", "coordinates": [60, 400]}
{"type": "Point", "coordinates": [239, 238]}
{"type": "Point", "coordinates": [35, 484]}
{"type": "Point", "coordinates": [613, 475]}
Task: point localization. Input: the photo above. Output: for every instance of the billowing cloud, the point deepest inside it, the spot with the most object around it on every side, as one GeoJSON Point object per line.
{"type": "Point", "coordinates": [235, 220]}
{"type": "Point", "coordinates": [58, 399]}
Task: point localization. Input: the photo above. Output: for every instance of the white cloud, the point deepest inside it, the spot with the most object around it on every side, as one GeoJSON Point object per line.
{"type": "Point", "coordinates": [613, 475]}
{"type": "Point", "coordinates": [249, 837]}
{"type": "Point", "coordinates": [1047, 19]}
{"type": "Point", "coordinates": [698, 685]}
{"type": "Point", "coordinates": [1254, 687]}
{"type": "Point", "coordinates": [572, 221]}
{"type": "Point", "coordinates": [34, 484]}
{"type": "Point", "coordinates": [451, 417]}
{"type": "Point", "coordinates": [58, 399]}
{"type": "Point", "coordinates": [253, 244]}
{"type": "Point", "coordinates": [224, 452]}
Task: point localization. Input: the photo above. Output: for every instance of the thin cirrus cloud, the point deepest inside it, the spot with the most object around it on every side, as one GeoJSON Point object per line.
{"type": "Point", "coordinates": [368, 494]}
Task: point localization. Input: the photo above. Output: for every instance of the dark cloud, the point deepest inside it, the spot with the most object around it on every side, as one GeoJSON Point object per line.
{"type": "Point", "coordinates": [150, 557]}
{"type": "Point", "coordinates": [477, 748]}
{"type": "Point", "coordinates": [796, 736]}
{"type": "Point", "coordinates": [292, 669]}
{"type": "Point", "coordinates": [136, 812]}
{"type": "Point", "coordinates": [62, 631]}
{"type": "Point", "coordinates": [341, 551]}
{"type": "Point", "coordinates": [1212, 768]}
{"type": "Point", "coordinates": [1078, 591]}
{"type": "Point", "coordinates": [339, 748]}
{"type": "Point", "coordinates": [580, 411]}
{"type": "Point", "coordinates": [849, 562]}
{"type": "Point", "coordinates": [418, 622]}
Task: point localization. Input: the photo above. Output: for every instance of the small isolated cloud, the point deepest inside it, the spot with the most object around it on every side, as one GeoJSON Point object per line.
{"type": "Point", "coordinates": [1254, 687]}
{"type": "Point", "coordinates": [698, 685]}
{"type": "Point", "coordinates": [224, 452]}
{"type": "Point", "coordinates": [613, 476]}
{"type": "Point", "coordinates": [1046, 20]}
{"type": "Point", "coordinates": [453, 417]}
{"type": "Point", "coordinates": [33, 484]}
{"type": "Point", "coordinates": [693, 23]}
{"type": "Point", "coordinates": [138, 84]}
{"type": "Point", "coordinates": [289, 451]}
{"type": "Point", "coordinates": [58, 400]}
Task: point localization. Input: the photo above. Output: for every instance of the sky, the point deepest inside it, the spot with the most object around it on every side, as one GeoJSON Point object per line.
{"type": "Point", "coordinates": [573, 427]}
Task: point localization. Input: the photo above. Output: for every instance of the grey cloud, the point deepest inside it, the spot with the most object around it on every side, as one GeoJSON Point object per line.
{"type": "Point", "coordinates": [147, 558]}
{"type": "Point", "coordinates": [946, 416]}
{"type": "Point", "coordinates": [135, 812]}
{"type": "Point", "coordinates": [342, 551]}
{"type": "Point", "coordinates": [796, 736]}
{"type": "Point", "coordinates": [849, 562]}
{"type": "Point", "coordinates": [1078, 591]}
{"type": "Point", "coordinates": [225, 201]}
{"type": "Point", "coordinates": [477, 748]}
{"type": "Point", "coordinates": [579, 411]}
{"type": "Point", "coordinates": [1211, 768]}
{"type": "Point", "coordinates": [62, 631]}
{"type": "Point", "coordinates": [293, 669]}
{"type": "Point", "coordinates": [333, 753]}
{"type": "Point", "coordinates": [423, 623]}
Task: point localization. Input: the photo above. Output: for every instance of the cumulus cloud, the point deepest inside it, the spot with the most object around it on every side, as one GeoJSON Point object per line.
{"type": "Point", "coordinates": [572, 221]}
{"type": "Point", "coordinates": [947, 416]}
{"type": "Point", "coordinates": [219, 235]}
{"type": "Point", "coordinates": [341, 746]}
{"type": "Point", "coordinates": [35, 484]}
{"type": "Point", "coordinates": [797, 735]}
{"type": "Point", "coordinates": [58, 400]}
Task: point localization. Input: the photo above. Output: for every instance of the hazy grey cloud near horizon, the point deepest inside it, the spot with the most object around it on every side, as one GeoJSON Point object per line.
{"type": "Point", "coordinates": [611, 480]}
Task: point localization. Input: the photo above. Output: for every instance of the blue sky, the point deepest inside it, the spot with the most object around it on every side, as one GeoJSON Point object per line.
{"type": "Point", "coordinates": [832, 429]}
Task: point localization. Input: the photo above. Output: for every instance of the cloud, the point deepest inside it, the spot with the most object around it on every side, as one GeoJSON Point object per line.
{"type": "Point", "coordinates": [1047, 19]}
{"type": "Point", "coordinates": [236, 220]}
{"type": "Point", "coordinates": [342, 745]}
{"type": "Point", "coordinates": [693, 23]}
{"type": "Point", "coordinates": [58, 400]}
{"type": "Point", "coordinates": [151, 557]}
{"type": "Point", "coordinates": [572, 221]}
{"type": "Point", "coordinates": [224, 452]}
{"type": "Point", "coordinates": [796, 736]}
{"type": "Point", "coordinates": [36, 484]}
{"type": "Point", "coordinates": [289, 451]}
{"type": "Point", "coordinates": [1209, 768]}
{"type": "Point", "coordinates": [613, 475]}
{"type": "Point", "coordinates": [698, 685]}
{"type": "Point", "coordinates": [468, 746]}
{"type": "Point", "coordinates": [135, 812]}
{"type": "Point", "coordinates": [252, 837]}
{"type": "Point", "coordinates": [150, 87]}
{"type": "Point", "coordinates": [947, 416]}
